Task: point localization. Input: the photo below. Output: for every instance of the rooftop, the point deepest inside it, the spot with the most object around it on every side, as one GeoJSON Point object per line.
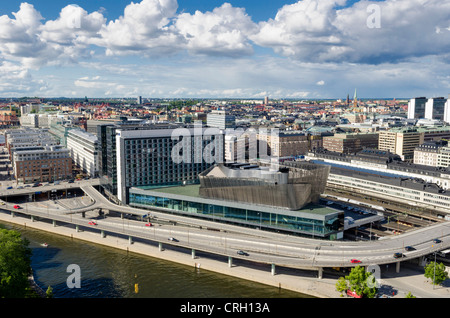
{"type": "Point", "coordinates": [193, 191]}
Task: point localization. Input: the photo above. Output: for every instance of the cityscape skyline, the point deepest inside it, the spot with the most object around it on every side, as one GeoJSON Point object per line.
{"type": "Point", "coordinates": [225, 49]}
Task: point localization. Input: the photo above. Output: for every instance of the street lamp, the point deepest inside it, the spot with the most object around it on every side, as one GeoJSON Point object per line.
{"type": "Point", "coordinates": [434, 274]}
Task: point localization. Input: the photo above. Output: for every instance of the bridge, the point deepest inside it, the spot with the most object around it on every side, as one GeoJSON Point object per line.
{"type": "Point", "coordinates": [261, 246]}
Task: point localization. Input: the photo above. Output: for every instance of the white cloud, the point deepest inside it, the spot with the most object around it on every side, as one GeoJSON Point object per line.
{"type": "Point", "coordinates": [26, 40]}
{"type": "Point", "coordinates": [303, 30]}
{"type": "Point", "coordinates": [407, 30]}
{"type": "Point", "coordinates": [317, 31]}
{"type": "Point", "coordinates": [16, 80]}
{"type": "Point", "coordinates": [224, 31]}
{"type": "Point", "coordinates": [144, 28]}
{"type": "Point", "coordinates": [330, 49]}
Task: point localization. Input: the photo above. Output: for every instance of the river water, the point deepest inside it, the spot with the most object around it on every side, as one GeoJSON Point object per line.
{"type": "Point", "coordinates": [111, 273]}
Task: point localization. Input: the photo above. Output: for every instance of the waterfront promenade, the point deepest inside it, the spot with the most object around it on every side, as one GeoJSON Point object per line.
{"type": "Point", "coordinates": [395, 285]}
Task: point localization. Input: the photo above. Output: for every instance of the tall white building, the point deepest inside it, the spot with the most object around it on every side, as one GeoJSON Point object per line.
{"type": "Point", "coordinates": [416, 107]}
{"type": "Point", "coordinates": [447, 111]}
{"type": "Point", "coordinates": [220, 119]}
{"type": "Point", "coordinates": [83, 148]}
{"type": "Point", "coordinates": [435, 108]}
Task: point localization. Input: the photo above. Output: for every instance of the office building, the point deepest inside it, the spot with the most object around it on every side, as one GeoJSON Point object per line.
{"type": "Point", "coordinates": [416, 108]}
{"type": "Point", "coordinates": [83, 148]}
{"type": "Point", "coordinates": [42, 164]}
{"type": "Point", "coordinates": [281, 144]}
{"type": "Point", "coordinates": [435, 133]}
{"type": "Point", "coordinates": [350, 142]}
{"type": "Point", "coordinates": [383, 163]}
{"type": "Point", "coordinates": [29, 120]}
{"type": "Point", "coordinates": [155, 155]}
{"type": "Point", "coordinates": [408, 191]}
{"type": "Point", "coordinates": [435, 108]}
{"type": "Point", "coordinates": [220, 119]}
{"type": "Point", "coordinates": [24, 138]}
{"type": "Point", "coordinates": [401, 141]}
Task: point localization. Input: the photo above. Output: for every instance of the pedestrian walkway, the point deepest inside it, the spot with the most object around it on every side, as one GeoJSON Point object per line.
{"type": "Point", "coordinates": [393, 285]}
{"type": "Point", "coordinates": [411, 279]}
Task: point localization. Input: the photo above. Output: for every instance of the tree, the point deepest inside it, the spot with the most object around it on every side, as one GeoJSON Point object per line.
{"type": "Point", "coordinates": [49, 292]}
{"type": "Point", "coordinates": [436, 272]}
{"type": "Point", "coordinates": [362, 282]}
{"type": "Point", "coordinates": [15, 264]}
{"type": "Point", "coordinates": [341, 285]}
{"type": "Point", "coordinates": [409, 295]}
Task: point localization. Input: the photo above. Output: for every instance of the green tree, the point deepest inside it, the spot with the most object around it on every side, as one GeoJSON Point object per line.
{"type": "Point", "coordinates": [49, 292]}
{"type": "Point", "coordinates": [436, 272]}
{"type": "Point", "coordinates": [362, 282]}
{"type": "Point", "coordinates": [409, 295]}
{"type": "Point", "coordinates": [341, 285]}
{"type": "Point", "coordinates": [15, 264]}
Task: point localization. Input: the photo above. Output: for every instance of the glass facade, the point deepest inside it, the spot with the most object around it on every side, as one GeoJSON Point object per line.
{"type": "Point", "coordinates": [302, 225]}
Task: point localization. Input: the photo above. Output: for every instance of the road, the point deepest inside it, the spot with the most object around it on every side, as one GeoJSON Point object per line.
{"type": "Point", "coordinates": [262, 246]}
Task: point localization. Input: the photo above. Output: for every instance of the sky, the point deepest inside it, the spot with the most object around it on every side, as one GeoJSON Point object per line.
{"type": "Point", "coordinates": [308, 49]}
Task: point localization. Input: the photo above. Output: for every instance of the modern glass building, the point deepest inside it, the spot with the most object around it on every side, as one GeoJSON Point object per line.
{"type": "Point", "coordinates": [160, 155]}
{"type": "Point", "coordinates": [252, 196]}
{"type": "Point", "coordinates": [313, 220]}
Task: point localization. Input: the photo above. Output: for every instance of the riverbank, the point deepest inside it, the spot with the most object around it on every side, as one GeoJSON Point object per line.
{"type": "Point", "coordinates": [305, 284]}
{"type": "Point", "coordinates": [397, 285]}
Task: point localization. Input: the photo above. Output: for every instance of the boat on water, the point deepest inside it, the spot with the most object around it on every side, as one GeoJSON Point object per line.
{"type": "Point", "coordinates": [44, 244]}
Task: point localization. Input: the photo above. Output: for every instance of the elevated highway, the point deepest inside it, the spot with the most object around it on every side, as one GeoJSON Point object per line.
{"type": "Point", "coordinates": [261, 246]}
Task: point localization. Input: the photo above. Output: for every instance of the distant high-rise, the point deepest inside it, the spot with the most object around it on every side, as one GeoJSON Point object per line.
{"type": "Point", "coordinates": [355, 100]}
{"type": "Point", "coordinates": [220, 119]}
{"type": "Point", "coordinates": [139, 100]}
{"type": "Point", "coordinates": [447, 110]}
{"type": "Point", "coordinates": [266, 100]}
{"type": "Point", "coordinates": [416, 107]}
{"type": "Point", "coordinates": [435, 108]}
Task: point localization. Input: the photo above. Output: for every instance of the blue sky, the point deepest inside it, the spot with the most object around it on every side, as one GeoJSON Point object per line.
{"type": "Point", "coordinates": [225, 49]}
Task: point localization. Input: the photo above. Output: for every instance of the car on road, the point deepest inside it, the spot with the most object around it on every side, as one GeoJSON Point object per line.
{"type": "Point", "coordinates": [437, 241]}
{"type": "Point", "coordinates": [355, 261]}
{"type": "Point", "coordinates": [92, 223]}
{"type": "Point", "coordinates": [148, 224]}
{"type": "Point", "coordinates": [9, 188]}
{"type": "Point", "coordinates": [409, 248]}
{"type": "Point", "coordinates": [2, 203]}
{"type": "Point", "coordinates": [242, 253]}
{"type": "Point", "coordinates": [19, 187]}
{"type": "Point", "coordinates": [398, 255]}
{"type": "Point", "coordinates": [17, 206]}
{"type": "Point", "coordinates": [173, 239]}
{"type": "Point", "coordinates": [57, 182]}
{"type": "Point", "coordinates": [71, 181]}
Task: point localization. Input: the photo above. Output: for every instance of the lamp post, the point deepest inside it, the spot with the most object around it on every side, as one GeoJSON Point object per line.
{"type": "Point", "coordinates": [434, 274]}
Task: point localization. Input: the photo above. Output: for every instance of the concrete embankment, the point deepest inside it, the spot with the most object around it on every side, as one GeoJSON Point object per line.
{"type": "Point", "coordinates": [305, 283]}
